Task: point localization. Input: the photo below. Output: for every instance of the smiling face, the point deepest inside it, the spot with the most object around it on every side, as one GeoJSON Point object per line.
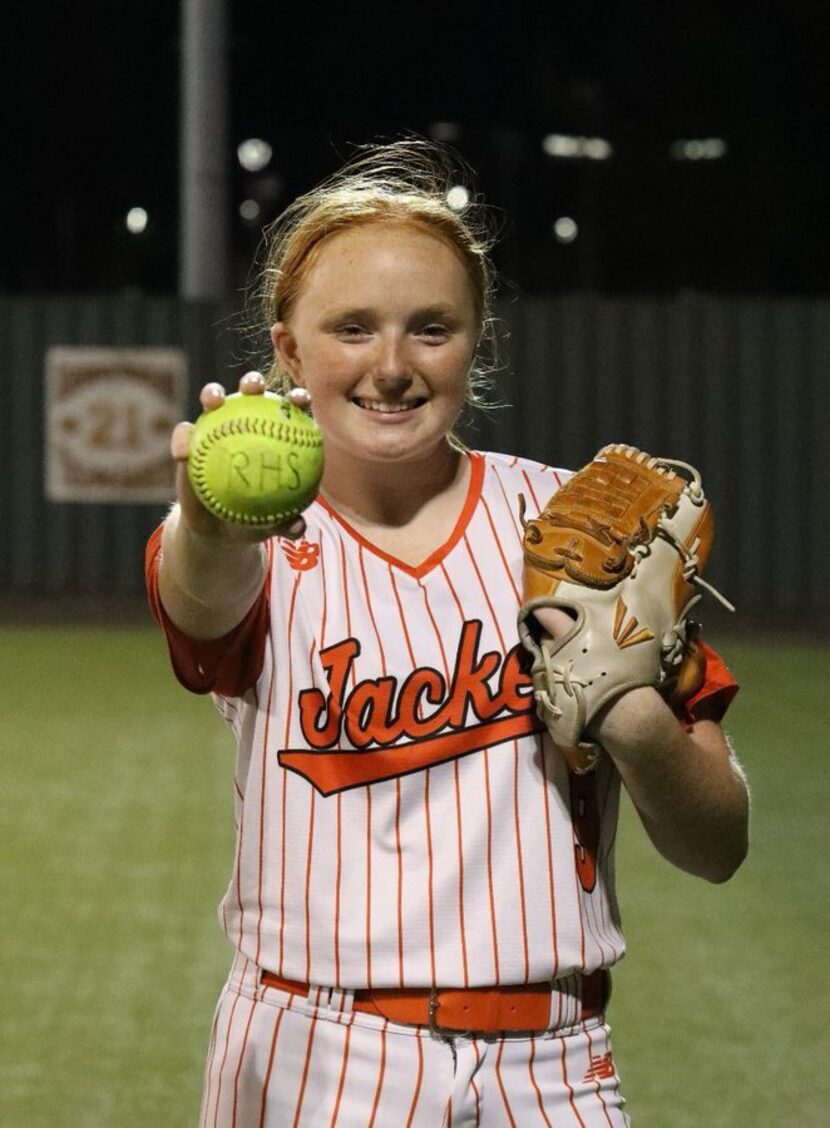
{"type": "Point", "coordinates": [382, 334]}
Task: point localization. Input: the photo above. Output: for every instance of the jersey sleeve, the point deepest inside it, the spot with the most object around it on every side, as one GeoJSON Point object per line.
{"type": "Point", "coordinates": [229, 665]}
{"type": "Point", "coordinates": [717, 690]}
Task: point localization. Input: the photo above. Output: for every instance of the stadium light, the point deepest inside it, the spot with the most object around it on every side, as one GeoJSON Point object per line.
{"type": "Point", "coordinates": [569, 147]}
{"type": "Point", "coordinates": [137, 220]}
{"type": "Point", "coordinates": [254, 154]}
{"type": "Point", "coordinates": [457, 198]}
{"type": "Point", "coordinates": [249, 210]}
{"type": "Point", "coordinates": [565, 229]}
{"type": "Point", "coordinates": [699, 149]}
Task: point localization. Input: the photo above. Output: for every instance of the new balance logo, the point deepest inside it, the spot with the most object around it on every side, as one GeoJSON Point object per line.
{"type": "Point", "coordinates": [601, 1068]}
{"type": "Point", "coordinates": [301, 555]}
{"type": "Point", "coordinates": [625, 629]}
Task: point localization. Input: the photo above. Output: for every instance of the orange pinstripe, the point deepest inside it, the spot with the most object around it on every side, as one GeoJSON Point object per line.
{"type": "Point", "coordinates": [517, 820]}
{"type": "Point", "coordinates": [418, 1082]}
{"type": "Point", "coordinates": [461, 876]}
{"type": "Point", "coordinates": [241, 1059]}
{"type": "Point", "coordinates": [431, 917]}
{"type": "Point", "coordinates": [270, 1066]}
{"type": "Point", "coordinates": [581, 917]}
{"type": "Point", "coordinates": [342, 1080]}
{"type": "Point", "coordinates": [381, 1075]}
{"type": "Point", "coordinates": [309, 865]}
{"type": "Point", "coordinates": [445, 665]}
{"type": "Point", "coordinates": [224, 1060]}
{"type": "Point", "coordinates": [337, 888]}
{"type": "Point", "coordinates": [476, 1093]}
{"type": "Point", "coordinates": [457, 781]}
{"type": "Point", "coordinates": [486, 757]}
{"type": "Point", "coordinates": [339, 849]}
{"type": "Point", "coordinates": [510, 508]}
{"type": "Point", "coordinates": [515, 793]}
{"type": "Point", "coordinates": [532, 492]}
{"type": "Point", "coordinates": [281, 956]}
{"type": "Point", "coordinates": [501, 1086]}
{"type": "Point", "coordinates": [568, 1085]}
{"type": "Point", "coordinates": [367, 593]}
{"type": "Point", "coordinates": [486, 594]}
{"type": "Point", "coordinates": [284, 791]}
{"type": "Point", "coordinates": [544, 784]}
{"type": "Point", "coordinates": [497, 542]}
{"type": "Point", "coordinates": [518, 827]}
{"type": "Point", "coordinates": [325, 612]}
{"type": "Point", "coordinates": [368, 885]}
{"type": "Point", "coordinates": [306, 1065]}
{"type": "Point", "coordinates": [398, 790]}
{"type": "Point", "coordinates": [399, 855]}
{"type": "Point", "coordinates": [599, 1087]}
{"type": "Point", "coordinates": [534, 1082]}
{"type": "Point", "coordinates": [490, 890]}
{"type": "Point", "coordinates": [262, 815]}
{"type": "Point", "coordinates": [308, 891]}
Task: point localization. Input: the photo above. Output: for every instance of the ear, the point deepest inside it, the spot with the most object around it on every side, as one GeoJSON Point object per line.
{"type": "Point", "coordinates": [285, 346]}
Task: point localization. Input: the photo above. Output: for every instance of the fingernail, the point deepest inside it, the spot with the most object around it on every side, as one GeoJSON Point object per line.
{"type": "Point", "coordinates": [210, 393]}
{"type": "Point", "coordinates": [252, 383]}
{"type": "Point", "coordinates": [299, 397]}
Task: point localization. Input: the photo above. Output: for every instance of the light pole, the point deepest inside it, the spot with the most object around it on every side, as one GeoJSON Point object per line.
{"type": "Point", "coordinates": [203, 152]}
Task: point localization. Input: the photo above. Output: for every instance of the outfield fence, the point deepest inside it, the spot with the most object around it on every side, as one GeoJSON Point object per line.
{"type": "Point", "coordinates": [737, 386]}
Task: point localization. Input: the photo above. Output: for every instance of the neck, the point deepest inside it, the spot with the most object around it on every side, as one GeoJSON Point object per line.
{"type": "Point", "coordinates": [391, 493]}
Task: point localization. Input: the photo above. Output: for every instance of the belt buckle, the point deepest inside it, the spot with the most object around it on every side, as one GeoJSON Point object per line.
{"type": "Point", "coordinates": [447, 1033]}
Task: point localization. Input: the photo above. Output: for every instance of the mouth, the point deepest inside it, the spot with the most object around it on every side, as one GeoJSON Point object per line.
{"type": "Point", "coordinates": [383, 407]}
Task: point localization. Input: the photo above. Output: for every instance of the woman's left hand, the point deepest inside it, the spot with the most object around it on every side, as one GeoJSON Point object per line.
{"type": "Point", "coordinates": [687, 786]}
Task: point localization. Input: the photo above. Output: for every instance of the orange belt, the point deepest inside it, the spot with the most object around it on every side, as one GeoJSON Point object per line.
{"type": "Point", "coordinates": [450, 1011]}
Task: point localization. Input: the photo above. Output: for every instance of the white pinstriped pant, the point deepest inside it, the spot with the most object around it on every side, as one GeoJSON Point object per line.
{"type": "Point", "coordinates": [277, 1062]}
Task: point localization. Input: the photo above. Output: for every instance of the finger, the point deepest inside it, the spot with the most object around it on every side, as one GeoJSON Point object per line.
{"type": "Point", "coordinates": [180, 441]}
{"type": "Point", "coordinates": [212, 396]}
{"type": "Point", "coordinates": [294, 530]}
{"type": "Point", "coordinates": [252, 384]}
{"type": "Point", "coordinates": [300, 397]}
{"type": "Point", "coordinates": [556, 622]}
{"type": "Point", "coordinates": [195, 514]}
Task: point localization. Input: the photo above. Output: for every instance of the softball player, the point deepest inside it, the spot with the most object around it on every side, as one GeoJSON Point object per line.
{"type": "Point", "coordinates": [422, 899]}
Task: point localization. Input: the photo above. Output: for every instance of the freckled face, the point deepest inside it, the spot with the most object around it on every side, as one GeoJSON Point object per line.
{"type": "Point", "coordinates": [382, 334]}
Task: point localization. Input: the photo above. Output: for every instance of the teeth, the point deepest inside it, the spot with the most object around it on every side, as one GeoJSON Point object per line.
{"type": "Point", "coordinates": [387, 408]}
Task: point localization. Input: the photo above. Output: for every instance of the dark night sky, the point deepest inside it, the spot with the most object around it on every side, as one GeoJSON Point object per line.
{"type": "Point", "coordinates": [91, 122]}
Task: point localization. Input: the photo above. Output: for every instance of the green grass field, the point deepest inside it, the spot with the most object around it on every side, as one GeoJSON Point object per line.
{"type": "Point", "coordinates": [116, 845]}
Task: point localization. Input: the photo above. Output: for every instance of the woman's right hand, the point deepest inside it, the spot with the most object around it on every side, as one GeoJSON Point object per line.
{"type": "Point", "coordinates": [212, 571]}
{"type": "Point", "coordinates": [196, 516]}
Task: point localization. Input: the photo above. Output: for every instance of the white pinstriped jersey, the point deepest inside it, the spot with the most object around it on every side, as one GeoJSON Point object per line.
{"type": "Point", "coordinates": [400, 820]}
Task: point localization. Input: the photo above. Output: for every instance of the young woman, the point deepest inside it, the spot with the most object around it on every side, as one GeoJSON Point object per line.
{"type": "Point", "coordinates": [422, 900]}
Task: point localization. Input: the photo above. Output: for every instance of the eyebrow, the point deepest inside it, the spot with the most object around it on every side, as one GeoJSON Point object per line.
{"type": "Point", "coordinates": [347, 312]}
{"type": "Point", "coordinates": [440, 312]}
{"type": "Point", "coordinates": [426, 313]}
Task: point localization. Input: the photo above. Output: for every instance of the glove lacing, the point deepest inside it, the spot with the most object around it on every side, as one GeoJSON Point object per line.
{"type": "Point", "coordinates": [556, 675]}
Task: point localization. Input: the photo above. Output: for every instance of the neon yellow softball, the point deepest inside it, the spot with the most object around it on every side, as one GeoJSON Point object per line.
{"type": "Point", "coordinates": [256, 460]}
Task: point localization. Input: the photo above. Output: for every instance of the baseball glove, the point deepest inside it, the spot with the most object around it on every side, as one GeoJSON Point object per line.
{"type": "Point", "coordinates": [620, 548]}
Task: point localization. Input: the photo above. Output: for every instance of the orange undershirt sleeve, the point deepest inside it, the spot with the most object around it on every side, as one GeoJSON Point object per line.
{"type": "Point", "coordinates": [229, 665]}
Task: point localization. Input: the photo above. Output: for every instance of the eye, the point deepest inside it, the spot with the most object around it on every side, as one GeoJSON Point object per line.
{"type": "Point", "coordinates": [352, 330]}
{"type": "Point", "coordinates": [435, 331]}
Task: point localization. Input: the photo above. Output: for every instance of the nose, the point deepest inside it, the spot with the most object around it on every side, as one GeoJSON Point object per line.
{"type": "Point", "coordinates": [390, 385]}
{"type": "Point", "coordinates": [391, 376]}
